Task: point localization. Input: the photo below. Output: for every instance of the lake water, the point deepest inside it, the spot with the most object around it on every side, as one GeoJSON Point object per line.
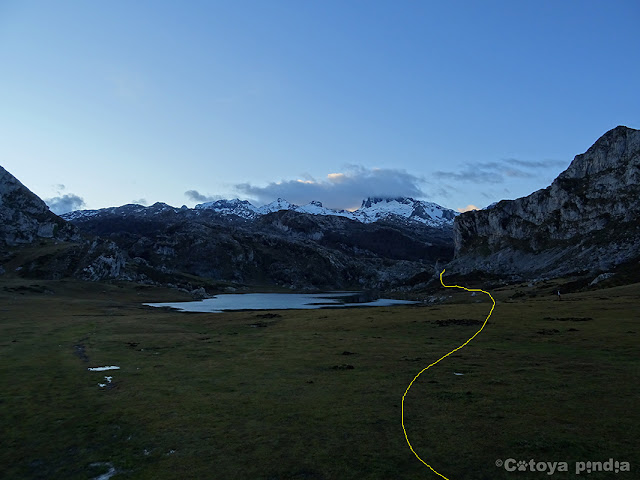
{"type": "Point", "coordinates": [280, 301]}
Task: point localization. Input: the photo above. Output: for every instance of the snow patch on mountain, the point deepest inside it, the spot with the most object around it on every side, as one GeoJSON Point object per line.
{"type": "Point", "coordinates": [123, 211]}
{"type": "Point", "coordinates": [276, 206]}
{"type": "Point", "coordinates": [240, 208]}
{"type": "Point", "coordinates": [75, 215]}
{"type": "Point", "coordinates": [316, 208]}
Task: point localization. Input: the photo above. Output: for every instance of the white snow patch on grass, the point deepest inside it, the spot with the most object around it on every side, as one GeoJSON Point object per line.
{"type": "Point", "coordinates": [108, 379]}
{"type": "Point", "coordinates": [105, 476]}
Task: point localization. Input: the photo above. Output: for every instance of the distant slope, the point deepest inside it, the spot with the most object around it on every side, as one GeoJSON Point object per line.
{"type": "Point", "coordinates": [586, 220]}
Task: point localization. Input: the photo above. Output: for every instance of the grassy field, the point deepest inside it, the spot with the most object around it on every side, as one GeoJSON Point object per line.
{"type": "Point", "coordinates": [248, 396]}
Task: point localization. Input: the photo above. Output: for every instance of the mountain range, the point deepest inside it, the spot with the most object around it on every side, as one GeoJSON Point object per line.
{"type": "Point", "coordinates": [585, 223]}
{"type": "Point", "coordinates": [401, 209]}
{"type": "Point", "coordinates": [385, 242]}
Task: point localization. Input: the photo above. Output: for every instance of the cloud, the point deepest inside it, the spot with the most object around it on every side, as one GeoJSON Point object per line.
{"type": "Point", "coordinates": [65, 203]}
{"type": "Point", "coordinates": [495, 172]}
{"type": "Point", "coordinates": [468, 208]}
{"type": "Point", "coordinates": [536, 163]}
{"type": "Point", "coordinates": [340, 190]}
{"type": "Point", "coordinates": [196, 196]}
{"type": "Point", "coordinates": [470, 175]}
{"type": "Point", "coordinates": [141, 201]}
{"type": "Point", "coordinates": [514, 172]}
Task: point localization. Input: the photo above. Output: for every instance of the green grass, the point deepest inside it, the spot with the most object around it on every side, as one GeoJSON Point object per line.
{"type": "Point", "coordinates": [210, 396]}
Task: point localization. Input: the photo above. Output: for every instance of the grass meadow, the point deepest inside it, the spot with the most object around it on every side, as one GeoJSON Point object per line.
{"type": "Point", "coordinates": [313, 394]}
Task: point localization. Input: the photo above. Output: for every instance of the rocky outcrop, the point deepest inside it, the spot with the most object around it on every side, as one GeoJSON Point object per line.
{"type": "Point", "coordinates": [105, 260]}
{"type": "Point", "coordinates": [92, 260]}
{"type": "Point", "coordinates": [38, 243]}
{"type": "Point", "coordinates": [25, 218]}
{"type": "Point", "coordinates": [586, 220]}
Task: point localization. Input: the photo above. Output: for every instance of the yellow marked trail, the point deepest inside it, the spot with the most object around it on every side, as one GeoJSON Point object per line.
{"type": "Point", "coordinates": [438, 361]}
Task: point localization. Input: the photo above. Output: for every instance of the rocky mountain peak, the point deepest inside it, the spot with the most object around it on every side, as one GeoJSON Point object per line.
{"type": "Point", "coordinates": [280, 204]}
{"type": "Point", "coordinates": [371, 201]}
{"type": "Point", "coordinates": [586, 220]}
{"type": "Point", "coordinates": [617, 148]}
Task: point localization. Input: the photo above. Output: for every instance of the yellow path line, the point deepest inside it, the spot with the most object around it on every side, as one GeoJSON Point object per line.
{"type": "Point", "coordinates": [437, 361]}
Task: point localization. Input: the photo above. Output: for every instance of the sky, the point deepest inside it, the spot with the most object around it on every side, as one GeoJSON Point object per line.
{"type": "Point", "coordinates": [458, 103]}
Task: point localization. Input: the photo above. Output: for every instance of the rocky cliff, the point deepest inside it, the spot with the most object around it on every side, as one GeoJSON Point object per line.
{"type": "Point", "coordinates": [24, 217]}
{"type": "Point", "coordinates": [34, 242]}
{"type": "Point", "coordinates": [586, 220]}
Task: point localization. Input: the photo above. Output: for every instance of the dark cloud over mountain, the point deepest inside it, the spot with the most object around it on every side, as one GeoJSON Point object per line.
{"type": "Point", "coordinates": [196, 196]}
{"type": "Point", "coordinates": [340, 190]}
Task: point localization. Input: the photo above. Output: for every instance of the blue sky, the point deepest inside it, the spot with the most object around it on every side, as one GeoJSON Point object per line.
{"type": "Point", "coordinates": [454, 102]}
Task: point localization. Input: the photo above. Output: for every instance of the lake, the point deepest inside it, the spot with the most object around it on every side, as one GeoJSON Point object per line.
{"type": "Point", "coordinates": [280, 301]}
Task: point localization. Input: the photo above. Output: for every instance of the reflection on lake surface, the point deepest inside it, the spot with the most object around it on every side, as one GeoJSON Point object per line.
{"type": "Point", "coordinates": [281, 301]}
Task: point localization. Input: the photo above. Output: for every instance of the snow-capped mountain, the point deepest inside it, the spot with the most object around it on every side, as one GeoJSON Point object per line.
{"type": "Point", "coordinates": [276, 206]}
{"type": "Point", "coordinates": [316, 208]}
{"type": "Point", "coordinates": [372, 210]}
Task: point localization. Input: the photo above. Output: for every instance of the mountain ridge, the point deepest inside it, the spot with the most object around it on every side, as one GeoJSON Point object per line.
{"type": "Point", "coordinates": [373, 209]}
{"type": "Point", "coordinates": [285, 247]}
